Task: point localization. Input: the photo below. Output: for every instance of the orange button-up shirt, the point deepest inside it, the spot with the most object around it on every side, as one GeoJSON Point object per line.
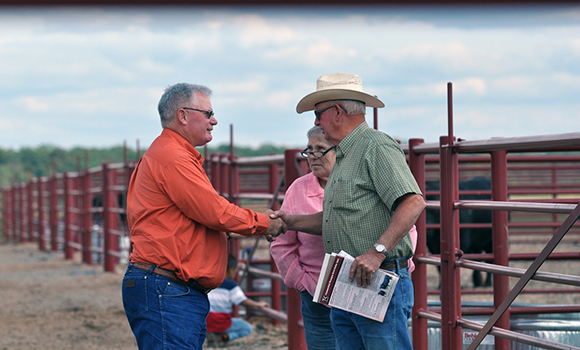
{"type": "Point", "coordinates": [176, 218]}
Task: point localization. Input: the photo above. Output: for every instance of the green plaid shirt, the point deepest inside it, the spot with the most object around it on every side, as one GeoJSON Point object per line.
{"type": "Point", "coordinates": [369, 175]}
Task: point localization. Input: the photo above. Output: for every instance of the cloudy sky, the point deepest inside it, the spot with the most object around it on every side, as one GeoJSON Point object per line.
{"type": "Point", "coordinates": [92, 77]}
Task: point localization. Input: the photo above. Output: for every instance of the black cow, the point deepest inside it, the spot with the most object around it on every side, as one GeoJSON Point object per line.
{"type": "Point", "coordinates": [471, 240]}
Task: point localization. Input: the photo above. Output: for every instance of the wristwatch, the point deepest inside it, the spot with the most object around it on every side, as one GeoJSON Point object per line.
{"type": "Point", "coordinates": [380, 248]}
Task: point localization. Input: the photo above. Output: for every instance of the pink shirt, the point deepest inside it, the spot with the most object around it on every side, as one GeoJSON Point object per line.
{"type": "Point", "coordinates": [299, 255]}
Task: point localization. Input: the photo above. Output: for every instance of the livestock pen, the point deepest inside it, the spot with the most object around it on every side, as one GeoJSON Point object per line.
{"type": "Point", "coordinates": [533, 179]}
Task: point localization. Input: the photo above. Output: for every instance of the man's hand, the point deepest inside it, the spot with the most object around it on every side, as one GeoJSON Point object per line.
{"type": "Point", "coordinates": [278, 214]}
{"type": "Point", "coordinates": [364, 267]}
{"type": "Point", "coordinates": [277, 226]}
{"type": "Point", "coordinates": [310, 223]}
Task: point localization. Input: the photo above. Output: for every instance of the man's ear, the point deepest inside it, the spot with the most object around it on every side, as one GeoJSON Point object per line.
{"type": "Point", "coordinates": [182, 117]}
{"type": "Point", "coordinates": [339, 114]}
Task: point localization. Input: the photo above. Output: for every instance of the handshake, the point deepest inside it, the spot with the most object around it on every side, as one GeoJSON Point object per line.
{"type": "Point", "coordinates": [280, 222]}
{"type": "Point", "coordinates": [277, 224]}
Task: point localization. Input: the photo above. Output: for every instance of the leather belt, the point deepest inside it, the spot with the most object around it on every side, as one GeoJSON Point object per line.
{"type": "Point", "coordinates": [391, 265]}
{"type": "Point", "coordinates": [172, 276]}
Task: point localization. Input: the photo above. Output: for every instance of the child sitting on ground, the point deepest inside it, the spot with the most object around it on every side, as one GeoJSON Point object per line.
{"type": "Point", "coordinates": [220, 323]}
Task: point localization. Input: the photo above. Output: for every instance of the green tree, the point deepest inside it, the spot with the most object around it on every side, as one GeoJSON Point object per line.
{"type": "Point", "coordinates": [46, 160]}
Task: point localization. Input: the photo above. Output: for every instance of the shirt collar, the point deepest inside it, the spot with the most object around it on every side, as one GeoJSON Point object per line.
{"type": "Point", "coordinates": [350, 140]}
{"type": "Point", "coordinates": [175, 137]}
{"type": "Point", "coordinates": [313, 188]}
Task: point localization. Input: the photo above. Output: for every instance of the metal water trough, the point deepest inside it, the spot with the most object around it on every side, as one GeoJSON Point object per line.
{"type": "Point", "coordinates": [557, 327]}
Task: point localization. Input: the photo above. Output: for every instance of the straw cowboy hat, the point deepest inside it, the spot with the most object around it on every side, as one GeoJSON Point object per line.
{"type": "Point", "coordinates": [337, 86]}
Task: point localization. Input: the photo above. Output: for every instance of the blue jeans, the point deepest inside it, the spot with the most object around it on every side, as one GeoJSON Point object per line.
{"type": "Point", "coordinates": [317, 327]}
{"type": "Point", "coordinates": [162, 313]}
{"type": "Point", "coordinates": [354, 332]}
{"type": "Point", "coordinates": [239, 328]}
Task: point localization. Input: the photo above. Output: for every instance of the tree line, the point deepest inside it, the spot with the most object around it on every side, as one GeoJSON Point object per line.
{"type": "Point", "coordinates": [28, 162]}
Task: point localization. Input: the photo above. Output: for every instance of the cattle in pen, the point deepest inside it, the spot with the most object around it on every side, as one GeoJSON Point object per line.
{"type": "Point", "coordinates": [471, 240]}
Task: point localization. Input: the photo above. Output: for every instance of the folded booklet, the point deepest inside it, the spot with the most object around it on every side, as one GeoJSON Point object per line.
{"type": "Point", "coordinates": [335, 289]}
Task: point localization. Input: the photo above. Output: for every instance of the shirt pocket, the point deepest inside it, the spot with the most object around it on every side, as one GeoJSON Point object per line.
{"type": "Point", "coordinates": [343, 193]}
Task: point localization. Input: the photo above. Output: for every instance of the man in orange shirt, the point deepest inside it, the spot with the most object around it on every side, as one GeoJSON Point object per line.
{"type": "Point", "coordinates": [177, 224]}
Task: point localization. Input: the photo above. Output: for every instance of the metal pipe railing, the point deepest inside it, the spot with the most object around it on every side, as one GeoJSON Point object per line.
{"type": "Point", "coordinates": [451, 258]}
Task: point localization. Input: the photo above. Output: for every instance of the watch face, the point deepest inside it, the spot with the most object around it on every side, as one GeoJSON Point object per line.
{"type": "Point", "coordinates": [380, 248]}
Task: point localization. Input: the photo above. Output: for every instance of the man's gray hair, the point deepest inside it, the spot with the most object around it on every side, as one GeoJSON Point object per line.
{"type": "Point", "coordinates": [178, 96]}
{"type": "Point", "coordinates": [352, 107]}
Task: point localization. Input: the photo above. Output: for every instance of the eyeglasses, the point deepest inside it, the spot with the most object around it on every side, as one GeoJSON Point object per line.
{"type": "Point", "coordinates": [207, 113]}
{"type": "Point", "coordinates": [318, 112]}
{"type": "Point", "coordinates": [316, 154]}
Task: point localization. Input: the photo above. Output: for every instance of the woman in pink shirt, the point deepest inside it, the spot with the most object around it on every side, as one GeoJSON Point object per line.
{"type": "Point", "coordinates": [299, 255]}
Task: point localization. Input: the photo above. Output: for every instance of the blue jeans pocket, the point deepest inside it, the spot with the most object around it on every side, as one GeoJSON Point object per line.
{"type": "Point", "coordinates": [171, 289]}
{"type": "Point", "coordinates": [135, 295]}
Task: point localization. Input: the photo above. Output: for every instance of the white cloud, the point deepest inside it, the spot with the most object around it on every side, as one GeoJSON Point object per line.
{"type": "Point", "coordinates": [472, 86]}
{"type": "Point", "coordinates": [575, 45]}
{"type": "Point", "coordinates": [96, 76]}
{"type": "Point", "coordinates": [241, 87]}
{"type": "Point", "coordinates": [33, 104]}
{"type": "Point", "coordinates": [279, 98]}
{"type": "Point", "coordinates": [256, 31]}
{"type": "Point", "coordinates": [10, 126]}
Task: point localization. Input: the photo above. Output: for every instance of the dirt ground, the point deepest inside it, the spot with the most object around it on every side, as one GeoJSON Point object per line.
{"type": "Point", "coordinates": [49, 303]}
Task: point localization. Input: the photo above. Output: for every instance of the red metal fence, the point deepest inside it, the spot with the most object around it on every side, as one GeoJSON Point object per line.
{"type": "Point", "coordinates": [451, 259]}
{"type": "Point", "coordinates": [501, 169]}
{"type": "Point", "coordinates": [534, 179]}
{"type": "Point", "coordinates": [72, 211]}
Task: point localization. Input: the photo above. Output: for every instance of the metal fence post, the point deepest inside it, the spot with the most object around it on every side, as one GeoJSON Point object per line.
{"type": "Point", "coordinates": [68, 216]}
{"type": "Point", "coordinates": [85, 215]}
{"type": "Point", "coordinates": [275, 289]}
{"type": "Point", "coordinates": [30, 186]}
{"type": "Point", "coordinates": [111, 243]}
{"type": "Point", "coordinates": [15, 213]}
{"type": "Point", "coordinates": [500, 241]}
{"type": "Point", "coordinates": [224, 174]}
{"type": "Point", "coordinates": [7, 210]}
{"type": "Point", "coordinates": [41, 189]}
{"type": "Point", "coordinates": [215, 172]}
{"type": "Point", "coordinates": [296, 340]}
{"type": "Point", "coordinates": [234, 191]}
{"type": "Point", "coordinates": [450, 277]}
{"type": "Point", "coordinates": [23, 224]}
{"type": "Point", "coordinates": [53, 212]}
{"type": "Point", "coordinates": [419, 276]}
{"type": "Point", "coordinates": [3, 194]}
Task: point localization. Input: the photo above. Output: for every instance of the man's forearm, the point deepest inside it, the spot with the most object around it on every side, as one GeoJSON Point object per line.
{"type": "Point", "coordinates": [403, 219]}
{"type": "Point", "coordinates": [305, 223]}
